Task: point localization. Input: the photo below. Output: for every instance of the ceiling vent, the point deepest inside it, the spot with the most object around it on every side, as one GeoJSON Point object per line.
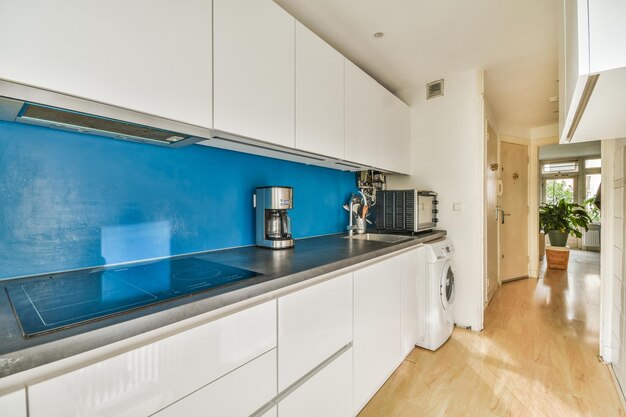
{"type": "Point", "coordinates": [434, 89]}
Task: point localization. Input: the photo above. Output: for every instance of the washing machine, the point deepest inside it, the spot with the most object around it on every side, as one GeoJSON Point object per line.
{"type": "Point", "coordinates": [440, 293]}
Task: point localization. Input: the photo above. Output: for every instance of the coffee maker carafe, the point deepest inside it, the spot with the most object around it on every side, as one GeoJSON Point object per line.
{"type": "Point", "coordinates": [273, 225]}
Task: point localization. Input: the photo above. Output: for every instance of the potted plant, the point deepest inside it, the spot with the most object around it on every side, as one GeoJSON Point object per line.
{"type": "Point", "coordinates": [561, 219]}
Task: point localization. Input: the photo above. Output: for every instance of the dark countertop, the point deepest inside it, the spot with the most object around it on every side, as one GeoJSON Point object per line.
{"type": "Point", "coordinates": [309, 258]}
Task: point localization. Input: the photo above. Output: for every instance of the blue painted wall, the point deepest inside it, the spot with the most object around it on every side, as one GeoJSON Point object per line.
{"type": "Point", "coordinates": [69, 200]}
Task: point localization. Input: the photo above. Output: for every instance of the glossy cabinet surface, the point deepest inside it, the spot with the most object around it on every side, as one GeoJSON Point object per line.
{"type": "Point", "coordinates": [237, 394]}
{"type": "Point", "coordinates": [328, 393]}
{"type": "Point", "coordinates": [362, 115]}
{"type": "Point", "coordinates": [377, 328]}
{"type": "Point", "coordinates": [153, 56]}
{"type": "Point", "coordinates": [394, 135]}
{"type": "Point", "coordinates": [413, 298]}
{"type": "Point", "coordinates": [607, 34]}
{"type": "Point", "coordinates": [145, 380]}
{"type": "Point", "coordinates": [319, 95]}
{"type": "Point", "coordinates": [254, 70]}
{"type": "Point", "coordinates": [13, 404]}
{"type": "Point", "coordinates": [592, 70]}
{"type": "Point", "coordinates": [313, 324]}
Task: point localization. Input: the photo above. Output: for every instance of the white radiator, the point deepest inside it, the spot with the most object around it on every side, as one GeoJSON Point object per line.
{"type": "Point", "coordinates": [591, 238]}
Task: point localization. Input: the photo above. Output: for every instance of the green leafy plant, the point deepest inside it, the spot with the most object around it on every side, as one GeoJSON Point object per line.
{"type": "Point", "coordinates": [564, 217]}
{"type": "Point", "coordinates": [592, 209]}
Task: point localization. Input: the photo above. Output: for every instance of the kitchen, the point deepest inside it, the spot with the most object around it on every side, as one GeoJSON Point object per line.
{"type": "Point", "coordinates": [98, 212]}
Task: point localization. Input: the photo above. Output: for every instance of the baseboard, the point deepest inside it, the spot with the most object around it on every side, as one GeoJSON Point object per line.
{"type": "Point", "coordinates": [514, 279]}
{"type": "Point", "coordinates": [618, 388]}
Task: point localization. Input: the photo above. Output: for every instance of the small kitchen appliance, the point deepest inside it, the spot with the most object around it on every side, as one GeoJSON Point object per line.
{"type": "Point", "coordinates": [273, 225]}
{"type": "Point", "coordinates": [406, 210]}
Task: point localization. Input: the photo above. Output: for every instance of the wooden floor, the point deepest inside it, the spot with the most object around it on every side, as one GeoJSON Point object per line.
{"type": "Point", "coordinates": [536, 357]}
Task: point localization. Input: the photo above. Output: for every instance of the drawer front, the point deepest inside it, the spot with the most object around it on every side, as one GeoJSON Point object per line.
{"type": "Point", "coordinates": [13, 404]}
{"type": "Point", "coordinates": [237, 394]}
{"type": "Point", "coordinates": [313, 324]}
{"type": "Point", "coordinates": [328, 393]}
{"type": "Point", "coordinates": [147, 379]}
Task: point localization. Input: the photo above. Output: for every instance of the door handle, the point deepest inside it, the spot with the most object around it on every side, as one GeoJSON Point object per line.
{"type": "Point", "coordinates": [504, 214]}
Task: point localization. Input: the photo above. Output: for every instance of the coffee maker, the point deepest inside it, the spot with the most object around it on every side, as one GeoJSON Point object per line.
{"type": "Point", "coordinates": [273, 225]}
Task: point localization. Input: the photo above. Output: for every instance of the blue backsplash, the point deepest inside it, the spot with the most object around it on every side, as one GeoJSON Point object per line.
{"type": "Point", "coordinates": [70, 200]}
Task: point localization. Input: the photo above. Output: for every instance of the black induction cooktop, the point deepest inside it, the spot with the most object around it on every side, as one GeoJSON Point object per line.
{"type": "Point", "coordinates": [69, 299]}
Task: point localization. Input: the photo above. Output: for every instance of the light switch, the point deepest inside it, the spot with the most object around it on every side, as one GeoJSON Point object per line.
{"type": "Point", "coordinates": [457, 206]}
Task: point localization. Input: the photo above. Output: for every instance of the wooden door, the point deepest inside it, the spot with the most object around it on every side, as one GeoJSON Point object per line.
{"type": "Point", "coordinates": [491, 193]}
{"type": "Point", "coordinates": [514, 212]}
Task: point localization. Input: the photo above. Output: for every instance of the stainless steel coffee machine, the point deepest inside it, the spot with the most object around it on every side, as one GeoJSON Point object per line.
{"type": "Point", "coordinates": [273, 225]}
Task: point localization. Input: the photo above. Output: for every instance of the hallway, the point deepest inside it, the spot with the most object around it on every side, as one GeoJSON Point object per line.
{"type": "Point", "coordinates": [536, 356]}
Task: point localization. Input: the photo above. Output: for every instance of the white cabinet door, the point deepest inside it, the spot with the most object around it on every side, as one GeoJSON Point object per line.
{"type": "Point", "coordinates": [13, 404]}
{"type": "Point", "coordinates": [237, 394]}
{"type": "Point", "coordinates": [313, 324]}
{"type": "Point", "coordinates": [607, 34]}
{"type": "Point", "coordinates": [328, 393]}
{"type": "Point", "coordinates": [319, 95]}
{"type": "Point", "coordinates": [254, 68]}
{"type": "Point", "coordinates": [377, 338]}
{"type": "Point", "coordinates": [362, 116]}
{"type": "Point", "coordinates": [154, 56]}
{"type": "Point", "coordinates": [413, 298]}
{"type": "Point", "coordinates": [394, 138]}
{"type": "Point", "coordinates": [147, 379]}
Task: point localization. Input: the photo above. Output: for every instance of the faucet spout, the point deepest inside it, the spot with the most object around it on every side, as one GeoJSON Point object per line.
{"type": "Point", "coordinates": [351, 225]}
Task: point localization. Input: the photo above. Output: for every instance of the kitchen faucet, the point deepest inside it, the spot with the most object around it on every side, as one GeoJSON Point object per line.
{"type": "Point", "coordinates": [351, 226]}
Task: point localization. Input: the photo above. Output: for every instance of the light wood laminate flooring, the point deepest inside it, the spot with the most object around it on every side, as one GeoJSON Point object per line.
{"type": "Point", "coordinates": [536, 357]}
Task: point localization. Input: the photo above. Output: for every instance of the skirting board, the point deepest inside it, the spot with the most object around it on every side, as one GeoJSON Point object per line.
{"type": "Point", "coordinates": [620, 394]}
{"type": "Point", "coordinates": [514, 279]}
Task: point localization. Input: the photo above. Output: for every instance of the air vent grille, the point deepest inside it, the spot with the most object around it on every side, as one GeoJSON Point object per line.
{"type": "Point", "coordinates": [434, 89]}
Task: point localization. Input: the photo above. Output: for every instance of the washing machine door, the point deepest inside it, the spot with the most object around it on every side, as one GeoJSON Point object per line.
{"type": "Point", "coordinates": [447, 286]}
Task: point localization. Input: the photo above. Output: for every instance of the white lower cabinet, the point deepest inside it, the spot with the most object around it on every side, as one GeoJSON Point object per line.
{"type": "Point", "coordinates": [377, 328]}
{"type": "Point", "coordinates": [313, 324]}
{"type": "Point", "coordinates": [145, 380]}
{"type": "Point", "coordinates": [327, 393]}
{"type": "Point", "coordinates": [237, 394]}
{"type": "Point", "coordinates": [13, 404]}
{"type": "Point", "coordinates": [413, 298]}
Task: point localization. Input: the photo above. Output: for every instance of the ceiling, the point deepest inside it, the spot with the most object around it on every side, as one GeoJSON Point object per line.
{"type": "Point", "coordinates": [514, 41]}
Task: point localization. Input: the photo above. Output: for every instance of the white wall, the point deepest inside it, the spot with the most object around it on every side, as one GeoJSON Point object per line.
{"type": "Point", "coordinates": [448, 156]}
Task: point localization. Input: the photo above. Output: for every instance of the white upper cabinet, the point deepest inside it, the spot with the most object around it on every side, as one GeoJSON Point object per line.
{"type": "Point", "coordinates": [394, 135]}
{"type": "Point", "coordinates": [378, 124]}
{"type": "Point", "coordinates": [254, 54]}
{"type": "Point", "coordinates": [319, 95]}
{"type": "Point", "coordinates": [152, 56]}
{"type": "Point", "coordinates": [593, 70]}
{"type": "Point", "coordinates": [362, 115]}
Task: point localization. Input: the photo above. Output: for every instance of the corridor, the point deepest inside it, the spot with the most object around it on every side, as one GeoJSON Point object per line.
{"type": "Point", "coordinates": [536, 357]}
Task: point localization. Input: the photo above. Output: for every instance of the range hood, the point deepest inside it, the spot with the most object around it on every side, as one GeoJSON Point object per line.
{"type": "Point", "coordinates": [25, 104]}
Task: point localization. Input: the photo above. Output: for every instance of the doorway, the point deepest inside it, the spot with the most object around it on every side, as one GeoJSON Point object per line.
{"type": "Point", "coordinates": [514, 212]}
{"type": "Point", "coordinates": [492, 214]}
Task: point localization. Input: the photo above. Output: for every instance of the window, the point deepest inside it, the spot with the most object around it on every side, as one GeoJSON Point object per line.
{"type": "Point", "coordinates": [559, 167]}
{"type": "Point", "coordinates": [593, 163]}
{"type": "Point", "coordinates": [557, 189]}
{"type": "Point", "coordinates": [592, 187]}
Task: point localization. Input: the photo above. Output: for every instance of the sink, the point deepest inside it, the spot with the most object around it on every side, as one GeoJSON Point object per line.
{"type": "Point", "coordinates": [380, 238]}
